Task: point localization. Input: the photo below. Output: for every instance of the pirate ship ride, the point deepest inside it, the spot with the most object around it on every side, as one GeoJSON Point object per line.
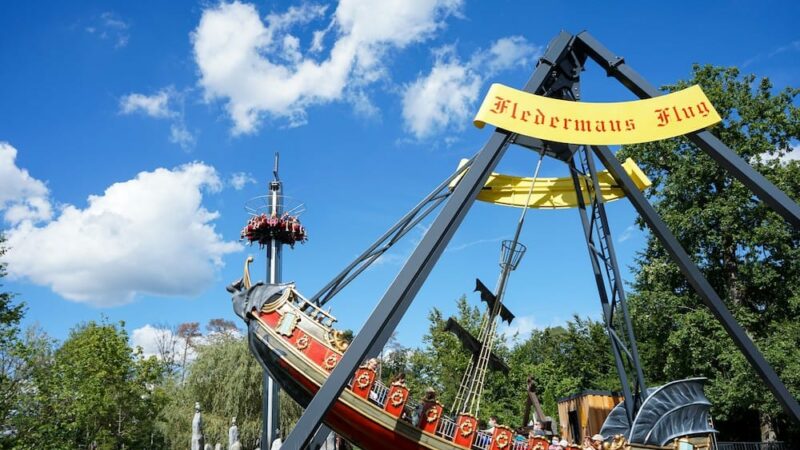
{"type": "Point", "coordinates": [295, 339]}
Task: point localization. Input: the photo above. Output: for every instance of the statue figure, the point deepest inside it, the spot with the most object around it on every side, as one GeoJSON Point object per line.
{"type": "Point", "coordinates": [218, 446]}
{"type": "Point", "coordinates": [197, 429]}
{"type": "Point", "coordinates": [278, 442]}
{"type": "Point", "coordinates": [233, 436]}
{"type": "Point", "coordinates": [208, 447]}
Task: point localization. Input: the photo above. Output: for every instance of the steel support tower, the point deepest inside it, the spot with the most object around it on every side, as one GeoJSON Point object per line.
{"type": "Point", "coordinates": [270, 408]}
{"type": "Point", "coordinates": [556, 75]}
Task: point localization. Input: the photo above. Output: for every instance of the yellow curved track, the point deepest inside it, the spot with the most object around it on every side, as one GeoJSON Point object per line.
{"type": "Point", "coordinates": [552, 193]}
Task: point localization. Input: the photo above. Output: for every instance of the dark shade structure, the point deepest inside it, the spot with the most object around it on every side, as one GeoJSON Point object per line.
{"type": "Point", "coordinates": [679, 408]}
{"type": "Point", "coordinates": [490, 299]}
{"type": "Point", "coordinates": [472, 344]}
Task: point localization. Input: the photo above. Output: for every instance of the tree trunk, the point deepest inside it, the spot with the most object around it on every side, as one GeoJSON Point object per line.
{"type": "Point", "coordinates": [731, 267]}
{"type": "Point", "coordinates": [767, 428]}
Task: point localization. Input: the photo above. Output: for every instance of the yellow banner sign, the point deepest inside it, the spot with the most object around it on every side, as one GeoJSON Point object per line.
{"type": "Point", "coordinates": [633, 122]}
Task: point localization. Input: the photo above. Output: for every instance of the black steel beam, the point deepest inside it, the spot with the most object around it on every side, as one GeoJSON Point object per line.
{"type": "Point", "coordinates": [748, 176]}
{"type": "Point", "coordinates": [719, 152]}
{"type": "Point", "coordinates": [618, 283]}
{"type": "Point", "coordinates": [542, 77]}
{"type": "Point", "coordinates": [401, 292]}
{"type": "Point", "coordinates": [699, 283]}
{"type": "Point", "coordinates": [630, 406]}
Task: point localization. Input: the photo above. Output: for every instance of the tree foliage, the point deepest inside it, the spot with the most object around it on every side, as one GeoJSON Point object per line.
{"type": "Point", "coordinates": [226, 380]}
{"type": "Point", "coordinates": [11, 348]}
{"type": "Point", "coordinates": [92, 391]}
{"type": "Point", "coordinates": [748, 253]}
{"type": "Point", "coordinates": [563, 361]}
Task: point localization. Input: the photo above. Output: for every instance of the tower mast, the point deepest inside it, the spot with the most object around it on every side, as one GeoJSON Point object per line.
{"type": "Point", "coordinates": [270, 411]}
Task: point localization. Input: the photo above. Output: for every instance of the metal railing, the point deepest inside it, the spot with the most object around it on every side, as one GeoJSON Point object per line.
{"type": "Point", "coordinates": [755, 446]}
{"type": "Point", "coordinates": [482, 440]}
{"type": "Point", "coordinates": [446, 428]}
{"type": "Point", "coordinates": [520, 445]}
{"type": "Point", "coordinates": [378, 393]}
{"type": "Point", "coordinates": [313, 311]}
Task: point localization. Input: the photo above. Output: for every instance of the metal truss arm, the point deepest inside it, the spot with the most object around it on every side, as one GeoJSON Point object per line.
{"type": "Point", "coordinates": [385, 242]}
{"type": "Point", "coordinates": [615, 66]}
{"type": "Point", "coordinates": [618, 288]}
{"type": "Point", "coordinates": [608, 306]}
{"type": "Point", "coordinates": [401, 292]}
{"type": "Point", "coordinates": [699, 283]}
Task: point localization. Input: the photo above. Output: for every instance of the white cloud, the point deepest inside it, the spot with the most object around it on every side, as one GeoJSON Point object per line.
{"type": "Point", "coordinates": [156, 105]}
{"type": "Point", "coordinates": [459, 247]}
{"type": "Point", "coordinates": [22, 197]}
{"type": "Point", "coordinates": [179, 134]}
{"type": "Point", "coordinates": [446, 96]}
{"type": "Point", "coordinates": [521, 326]}
{"type": "Point", "coordinates": [390, 259]}
{"type": "Point", "coordinates": [110, 26]}
{"type": "Point", "coordinates": [791, 155]}
{"type": "Point", "coordinates": [156, 341]}
{"type": "Point", "coordinates": [792, 46]}
{"type": "Point", "coordinates": [163, 343]}
{"type": "Point", "coordinates": [148, 235]}
{"type": "Point", "coordinates": [510, 52]}
{"type": "Point", "coordinates": [261, 69]}
{"type": "Point", "coordinates": [240, 179]}
{"type": "Point", "coordinates": [628, 233]}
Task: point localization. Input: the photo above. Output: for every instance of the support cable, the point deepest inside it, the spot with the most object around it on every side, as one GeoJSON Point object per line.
{"type": "Point", "coordinates": [389, 238]}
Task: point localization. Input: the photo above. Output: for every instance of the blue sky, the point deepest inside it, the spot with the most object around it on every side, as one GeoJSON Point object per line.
{"type": "Point", "coordinates": [133, 132]}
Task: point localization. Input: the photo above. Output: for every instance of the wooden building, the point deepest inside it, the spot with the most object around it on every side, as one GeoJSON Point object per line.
{"type": "Point", "coordinates": [583, 414]}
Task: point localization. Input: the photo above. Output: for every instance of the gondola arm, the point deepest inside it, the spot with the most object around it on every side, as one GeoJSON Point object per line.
{"type": "Point", "coordinates": [553, 193]}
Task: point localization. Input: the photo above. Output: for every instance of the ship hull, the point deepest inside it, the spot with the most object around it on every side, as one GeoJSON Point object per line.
{"type": "Point", "coordinates": [346, 421]}
{"type": "Point", "coordinates": [295, 342]}
{"type": "Point", "coordinates": [358, 420]}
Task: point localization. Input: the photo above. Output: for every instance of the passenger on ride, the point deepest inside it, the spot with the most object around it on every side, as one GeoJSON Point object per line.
{"type": "Point", "coordinates": [538, 429]}
{"type": "Point", "coordinates": [422, 408]}
{"type": "Point", "coordinates": [492, 423]}
{"type": "Point", "coordinates": [372, 364]}
{"type": "Point", "coordinates": [399, 379]}
{"type": "Point", "coordinates": [587, 443]}
{"type": "Point", "coordinates": [597, 441]}
{"type": "Point", "coordinates": [555, 445]}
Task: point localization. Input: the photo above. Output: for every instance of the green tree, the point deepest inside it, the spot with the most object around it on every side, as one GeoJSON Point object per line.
{"type": "Point", "coordinates": [94, 391]}
{"type": "Point", "coordinates": [11, 348]}
{"type": "Point", "coordinates": [566, 360]}
{"type": "Point", "coordinates": [33, 361]}
{"type": "Point", "coordinates": [441, 362]}
{"type": "Point", "coordinates": [227, 381]}
{"type": "Point", "coordinates": [749, 254]}
{"type": "Point", "coordinates": [563, 360]}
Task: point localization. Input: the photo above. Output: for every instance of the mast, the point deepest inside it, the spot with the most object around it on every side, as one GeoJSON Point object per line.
{"type": "Point", "coordinates": [270, 408]}
{"type": "Point", "coordinates": [468, 398]}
